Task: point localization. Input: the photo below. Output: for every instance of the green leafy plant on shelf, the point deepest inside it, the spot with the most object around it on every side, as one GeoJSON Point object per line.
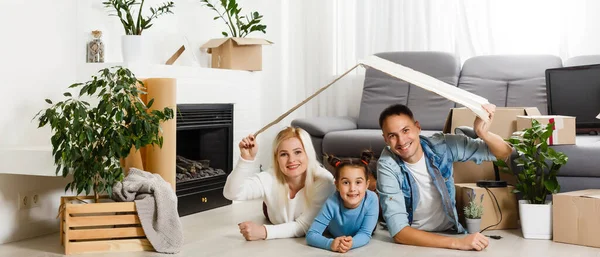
{"type": "Point", "coordinates": [537, 163]}
{"type": "Point", "coordinates": [89, 141]}
{"type": "Point", "coordinates": [239, 26]}
{"type": "Point", "coordinates": [124, 9]}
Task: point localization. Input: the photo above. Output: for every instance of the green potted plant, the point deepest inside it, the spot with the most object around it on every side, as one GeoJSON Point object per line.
{"type": "Point", "coordinates": [239, 26]}
{"type": "Point", "coordinates": [134, 24]}
{"type": "Point", "coordinates": [537, 169]}
{"type": "Point", "coordinates": [235, 51]}
{"type": "Point", "coordinates": [473, 212]}
{"type": "Point", "coordinates": [89, 141]}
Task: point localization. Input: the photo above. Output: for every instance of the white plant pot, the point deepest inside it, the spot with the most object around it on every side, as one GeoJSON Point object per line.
{"type": "Point", "coordinates": [473, 225]}
{"type": "Point", "coordinates": [536, 219]}
{"type": "Point", "coordinates": [132, 48]}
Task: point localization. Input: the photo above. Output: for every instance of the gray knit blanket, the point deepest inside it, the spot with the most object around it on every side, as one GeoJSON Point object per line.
{"type": "Point", "coordinates": [156, 205]}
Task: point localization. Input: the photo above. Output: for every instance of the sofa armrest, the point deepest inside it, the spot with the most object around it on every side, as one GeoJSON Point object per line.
{"type": "Point", "coordinates": [319, 126]}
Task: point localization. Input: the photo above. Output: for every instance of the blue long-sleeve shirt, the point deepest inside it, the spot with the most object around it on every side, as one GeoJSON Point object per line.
{"type": "Point", "coordinates": [340, 221]}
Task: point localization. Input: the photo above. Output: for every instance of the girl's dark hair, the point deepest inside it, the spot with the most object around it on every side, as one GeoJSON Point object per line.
{"type": "Point", "coordinates": [363, 162]}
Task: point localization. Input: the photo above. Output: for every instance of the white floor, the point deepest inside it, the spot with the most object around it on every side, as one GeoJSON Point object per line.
{"type": "Point", "coordinates": [215, 233]}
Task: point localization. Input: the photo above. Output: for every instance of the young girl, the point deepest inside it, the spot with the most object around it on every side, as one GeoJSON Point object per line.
{"type": "Point", "coordinates": [350, 214]}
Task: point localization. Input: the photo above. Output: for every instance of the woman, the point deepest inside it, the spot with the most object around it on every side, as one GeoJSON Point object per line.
{"type": "Point", "coordinates": [293, 190]}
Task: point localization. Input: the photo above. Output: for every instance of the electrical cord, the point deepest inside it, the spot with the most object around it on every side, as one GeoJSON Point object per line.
{"type": "Point", "coordinates": [499, 210]}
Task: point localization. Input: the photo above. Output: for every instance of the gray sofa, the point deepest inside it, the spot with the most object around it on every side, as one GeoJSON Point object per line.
{"type": "Point", "coordinates": [505, 80]}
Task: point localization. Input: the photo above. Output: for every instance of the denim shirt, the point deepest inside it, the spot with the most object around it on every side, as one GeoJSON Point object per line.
{"type": "Point", "coordinates": [397, 188]}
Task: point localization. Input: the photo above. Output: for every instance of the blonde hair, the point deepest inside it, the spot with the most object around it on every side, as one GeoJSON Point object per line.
{"type": "Point", "coordinates": [312, 165]}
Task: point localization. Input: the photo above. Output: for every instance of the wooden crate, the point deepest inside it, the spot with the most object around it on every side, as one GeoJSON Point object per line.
{"type": "Point", "coordinates": [101, 227]}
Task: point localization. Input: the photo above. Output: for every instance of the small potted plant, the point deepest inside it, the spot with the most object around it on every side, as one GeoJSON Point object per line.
{"type": "Point", "coordinates": [235, 51]}
{"type": "Point", "coordinates": [134, 24]}
{"type": "Point", "coordinates": [537, 166]}
{"type": "Point", "coordinates": [473, 212]}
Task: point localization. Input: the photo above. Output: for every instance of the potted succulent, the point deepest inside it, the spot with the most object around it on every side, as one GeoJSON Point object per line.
{"type": "Point", "coordinates": [473, 212]}
{"type": "Point", "coordinates": [89, 141]}
{"type": "Point", "coordinates": [134, 24]}
{"type": "Point", "coordinates": [537, 166]}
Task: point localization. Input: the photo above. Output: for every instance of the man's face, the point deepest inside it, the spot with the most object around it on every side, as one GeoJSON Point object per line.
{"type": "Point", "coordinates": [401, 133]}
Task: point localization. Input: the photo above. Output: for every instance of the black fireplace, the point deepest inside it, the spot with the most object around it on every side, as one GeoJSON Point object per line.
{"type": "Point", "coordinates": [204, 155]}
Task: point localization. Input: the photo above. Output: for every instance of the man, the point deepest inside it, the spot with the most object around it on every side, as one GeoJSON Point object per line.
{"type": "Point", "coordinates": [415, 178]}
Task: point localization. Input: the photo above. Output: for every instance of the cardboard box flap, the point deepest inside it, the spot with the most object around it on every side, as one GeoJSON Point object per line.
{"type": "Point", "coordinates": [214, 43]}
{"type": "Point", "coordinates": [588, 193]}
{"type": "Point", "coordinates": [545, 116]}
{"type": "Point", "coordinates": [528, 111]}
{"type": "Point", "coordinates": [251, 41]}
{"type": "Point", "coordinates": [531, 111]}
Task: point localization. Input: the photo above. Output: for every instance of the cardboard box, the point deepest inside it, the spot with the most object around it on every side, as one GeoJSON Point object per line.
{"type": "Point", "coordinates": [576, 217]}
{"type": "Point", "coordinates": [236, 53]}
{"type": "Point", "coordinates": [564, 127]}
{"type": "Point", "coordinates": [491, 214]}
{"type": "Point", "coordinates": [504, 124]}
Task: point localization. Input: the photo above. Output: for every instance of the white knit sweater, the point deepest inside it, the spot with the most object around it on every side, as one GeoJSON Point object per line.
{"type": "Point", "coordinates": [292, 219]}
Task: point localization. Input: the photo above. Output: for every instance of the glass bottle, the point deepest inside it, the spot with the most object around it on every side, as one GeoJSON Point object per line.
{"type": "Point", "coordinates": [95, 48]}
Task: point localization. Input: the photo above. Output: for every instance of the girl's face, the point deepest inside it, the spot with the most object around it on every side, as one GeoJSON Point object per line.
{"type": "Point", "coordinates": [292, 158]}
{"type": "Point", "coordinates": [352, 185]}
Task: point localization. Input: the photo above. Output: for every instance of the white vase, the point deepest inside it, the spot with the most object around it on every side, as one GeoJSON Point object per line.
{"type": "Point", "coordinates": [473, 225]}
{"type": "Point", "coordinates": [132, 48]}
{"type": "Point", "coordinates": [536, 219]}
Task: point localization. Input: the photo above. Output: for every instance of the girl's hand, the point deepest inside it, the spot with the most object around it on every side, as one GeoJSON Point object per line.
{"type": "Point", "coordinates": [335, 245]}
{"type": "Point", "coordinates": [252, 231]}
{"type": "Point", "coordinates": [248, 148]}
{"type": "Point", "coordinates": [346, 244]}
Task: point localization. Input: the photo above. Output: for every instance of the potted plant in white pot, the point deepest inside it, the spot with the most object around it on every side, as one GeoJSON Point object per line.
{"type": "Point", "coordinates": [537, 168]}
{"type": "Point", "coordinates": [134, 24]}
{"type": "Point", "coordinates": [473, 212]}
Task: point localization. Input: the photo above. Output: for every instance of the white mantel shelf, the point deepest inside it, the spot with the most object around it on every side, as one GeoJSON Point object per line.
{"type": "Point", "coordinates": [86, 70]}
{"type": "Point", "coordinates": [194, 85]}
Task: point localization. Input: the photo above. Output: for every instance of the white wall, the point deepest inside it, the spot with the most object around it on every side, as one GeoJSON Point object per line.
{"type": "Point", "coordinates": [41, 53]}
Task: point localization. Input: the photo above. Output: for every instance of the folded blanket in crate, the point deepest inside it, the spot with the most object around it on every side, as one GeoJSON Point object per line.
{"type": "Point", "coordinates": [156, 205]}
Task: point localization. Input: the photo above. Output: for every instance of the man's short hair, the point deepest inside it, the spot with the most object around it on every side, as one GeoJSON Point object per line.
{"type": "Point", "coordinates": [395, 109]}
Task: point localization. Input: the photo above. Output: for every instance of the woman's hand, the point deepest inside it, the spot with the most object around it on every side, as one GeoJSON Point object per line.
{"type": "Point", "coordinates": [248, 148]}
{"type": "Point", "coordinates": [252, 231]}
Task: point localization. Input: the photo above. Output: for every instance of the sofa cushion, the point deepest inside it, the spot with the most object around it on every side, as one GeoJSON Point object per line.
{"type": "Point", "coordinates": [582, 60]}
{"type": "Point", "coordinates": [319, 126]}
{"type": "Point", "coordinates": [509, 80]}
{"type": "Point", "coordinates": [351, 143]}
{"type": "Point", "coordinates": [381, 90]}
{"type": "Point", "coordinates": [584, 157]}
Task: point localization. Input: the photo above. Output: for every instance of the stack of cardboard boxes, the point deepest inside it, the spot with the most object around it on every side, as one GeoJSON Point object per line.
{"type": "Point", "coordinates": [506, 122]}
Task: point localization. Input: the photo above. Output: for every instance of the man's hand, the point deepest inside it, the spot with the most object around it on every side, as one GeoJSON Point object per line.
{"type": "Point", "coordinates": [252, 231]}
{"type": "Point", "coordinates": [481, 127]}
{"type": "Point", "coordinates": [475, 241]}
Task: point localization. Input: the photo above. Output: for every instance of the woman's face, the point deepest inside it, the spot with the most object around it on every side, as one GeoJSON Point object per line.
{"type": "Point", "coordinates": [292, 158]}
